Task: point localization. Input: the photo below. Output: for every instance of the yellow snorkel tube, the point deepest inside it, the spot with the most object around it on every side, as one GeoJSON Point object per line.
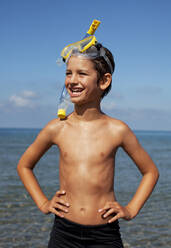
{"type": "Point", "coordinates": [93, 28]}
{"type": "Point", "coordinates": [82, 45]}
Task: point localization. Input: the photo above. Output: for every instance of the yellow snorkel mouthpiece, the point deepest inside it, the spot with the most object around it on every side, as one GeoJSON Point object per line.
{"type": "Point", "coordinates": [61, 113]}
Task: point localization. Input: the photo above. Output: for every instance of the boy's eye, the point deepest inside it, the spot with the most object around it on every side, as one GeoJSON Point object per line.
{"type": "Point", "coordinates": [80, 73]}
{"type": "Point", "coordinates": [83, 73]}
{"type": "Point", "coordinates": [68, 73]}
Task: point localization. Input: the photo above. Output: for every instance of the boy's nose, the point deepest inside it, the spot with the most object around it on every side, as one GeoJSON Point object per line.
{"type": "Point", "coordinates": [73, 79]}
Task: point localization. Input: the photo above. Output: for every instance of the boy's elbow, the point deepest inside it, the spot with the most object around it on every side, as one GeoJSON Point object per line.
{"type": "Point", "coordinates": [19, 168]}
{"type": "Point", "coordinates": [153, 174]}
{"type": "Point", "coordinates": [156, 174]}
{"type": "Point", "coordinates": [24, 165]}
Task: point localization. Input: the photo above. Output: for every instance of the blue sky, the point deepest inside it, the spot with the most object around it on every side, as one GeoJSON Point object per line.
{"type": "Point", "coordinates": [34, 32]}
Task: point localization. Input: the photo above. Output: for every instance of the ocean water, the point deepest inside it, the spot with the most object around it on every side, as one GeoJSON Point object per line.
{"type": "Point", "coordinates": [23, 225]}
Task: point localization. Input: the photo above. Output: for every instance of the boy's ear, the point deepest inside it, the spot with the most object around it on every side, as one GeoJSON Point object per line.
{"type": "Point", "coordinates": [105, 81]}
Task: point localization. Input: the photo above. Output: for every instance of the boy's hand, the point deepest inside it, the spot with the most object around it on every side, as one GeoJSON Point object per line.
{"type": "Point", "coordinates": [111, 208]}
{"type": "Point", "coordinates": [55, 205]}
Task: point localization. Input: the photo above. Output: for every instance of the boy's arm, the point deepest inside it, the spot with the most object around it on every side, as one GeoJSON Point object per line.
{"type": "Point", "coordinates": [28, 161]}
{"type": "Point", "coordinates": [25, 167]}
{"type": "Point", "coordinates": [145, 165]}
{"type": "Point", "coordinates": [148, 170]}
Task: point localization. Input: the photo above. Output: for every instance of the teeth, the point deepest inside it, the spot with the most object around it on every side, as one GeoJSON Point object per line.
{"type": "Point", "coordinates": [76, 90]}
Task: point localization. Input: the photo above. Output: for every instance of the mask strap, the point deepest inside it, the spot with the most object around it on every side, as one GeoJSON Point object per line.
{"type": "Point", "coordinates": [103, 54]}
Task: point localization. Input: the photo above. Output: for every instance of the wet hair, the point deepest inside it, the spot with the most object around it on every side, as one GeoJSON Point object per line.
{"type": "Point", "coordinates": [101, 66]}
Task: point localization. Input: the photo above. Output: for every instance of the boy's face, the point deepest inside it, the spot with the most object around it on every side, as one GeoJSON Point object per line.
{"type": "Point", "coordinates": [81, 80]}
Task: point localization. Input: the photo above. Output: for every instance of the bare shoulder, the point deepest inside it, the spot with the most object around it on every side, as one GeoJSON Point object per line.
{"type": "Point", "coordinates": [52, 126]}
{"type": "Point", "coordinates": [51, 130]}
{"type": "Point", "coordinates": [118, 126]}
{"type": "Point", "coordinates": [120, 130]}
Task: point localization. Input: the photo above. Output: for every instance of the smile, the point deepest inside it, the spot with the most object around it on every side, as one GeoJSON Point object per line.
{"type": "Point", "coordinates": [76, 91]}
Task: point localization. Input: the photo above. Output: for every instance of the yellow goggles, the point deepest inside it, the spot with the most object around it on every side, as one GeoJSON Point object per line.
{"type": "Point", "coordinates": [81, 46]}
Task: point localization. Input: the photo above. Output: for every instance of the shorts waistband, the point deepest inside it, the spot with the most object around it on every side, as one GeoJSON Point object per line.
{"type": "Point", "coordinates": [82, 226]}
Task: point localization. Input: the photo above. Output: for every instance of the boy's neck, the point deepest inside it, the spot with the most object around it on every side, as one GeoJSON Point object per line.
{"type": "Point", "coordinates": [87, 112]}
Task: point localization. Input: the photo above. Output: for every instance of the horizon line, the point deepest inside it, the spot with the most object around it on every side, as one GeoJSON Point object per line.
{"type": "Point", "coordinates": [139, 130]}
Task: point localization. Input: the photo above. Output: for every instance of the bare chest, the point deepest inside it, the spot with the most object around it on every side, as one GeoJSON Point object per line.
{"type": "Point", "coordinates": [89, 145]}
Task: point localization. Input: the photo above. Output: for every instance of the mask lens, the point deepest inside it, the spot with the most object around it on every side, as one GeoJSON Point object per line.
{"type": "Point", "coordinates": [81, 46]}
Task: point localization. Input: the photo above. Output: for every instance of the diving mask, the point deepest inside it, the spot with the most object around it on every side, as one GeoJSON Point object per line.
{"type": "Point", "coordinates": [87, 41]}
{"type": "Point", "coordinates": [81, 46]}
{"type": "Point", "coordinates": [92, 52]}
{"type": "Point", "coordinates": [88, 47]}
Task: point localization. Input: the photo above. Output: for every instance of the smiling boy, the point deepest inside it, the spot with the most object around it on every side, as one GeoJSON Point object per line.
{"type": "Point", "coordinates": [85, 207]}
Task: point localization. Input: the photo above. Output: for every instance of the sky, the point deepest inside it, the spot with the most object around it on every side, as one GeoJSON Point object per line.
{"type": "Point", "coordinates": [33, 33]}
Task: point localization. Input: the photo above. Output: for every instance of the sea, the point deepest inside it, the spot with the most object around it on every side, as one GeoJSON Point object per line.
{"type": "Point", "coordinates": [22, 225]}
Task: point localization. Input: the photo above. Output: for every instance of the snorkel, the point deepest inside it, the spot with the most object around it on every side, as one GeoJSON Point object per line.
{"type": "Point", "coordinates": [88, 48]}
{"type": "Point", "coordinates": [79, 46]}
{"type": "Point", "coordinates": [88, 40]}
{"type": "Point", "coordinates": [92, 28]}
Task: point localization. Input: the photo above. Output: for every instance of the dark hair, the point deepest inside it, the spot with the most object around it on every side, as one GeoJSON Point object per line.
{"type": "Point", "coordinates": [102, 67]}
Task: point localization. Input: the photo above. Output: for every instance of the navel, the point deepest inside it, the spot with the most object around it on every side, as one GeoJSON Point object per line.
{"type": "Point", "coordinates": [102, 154]}
{"type": "Point", "coordinates": [82, 209]}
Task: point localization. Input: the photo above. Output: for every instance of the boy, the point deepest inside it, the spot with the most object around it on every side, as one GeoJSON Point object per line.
{"type": "Point", "coordinates": [85, 207]}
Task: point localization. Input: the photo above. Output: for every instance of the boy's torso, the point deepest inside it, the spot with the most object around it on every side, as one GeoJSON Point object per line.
{"type": "Point", "coordinates": [87, 156]}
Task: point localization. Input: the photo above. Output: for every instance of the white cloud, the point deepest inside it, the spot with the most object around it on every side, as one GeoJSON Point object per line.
{"type": "Point", "coordinates": [28, 94]}
{"type": "Point", "coordinates": [19, 101]}
{"type": "Point", "coordinates": [24, 99]}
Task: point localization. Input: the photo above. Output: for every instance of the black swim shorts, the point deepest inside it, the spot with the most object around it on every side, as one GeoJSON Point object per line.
{"type": "Point", "coordinates": [68, 234]}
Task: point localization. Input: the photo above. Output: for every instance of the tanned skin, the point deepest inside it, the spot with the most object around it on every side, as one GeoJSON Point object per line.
{"type": "Point", "coordinates": [88, 141]}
